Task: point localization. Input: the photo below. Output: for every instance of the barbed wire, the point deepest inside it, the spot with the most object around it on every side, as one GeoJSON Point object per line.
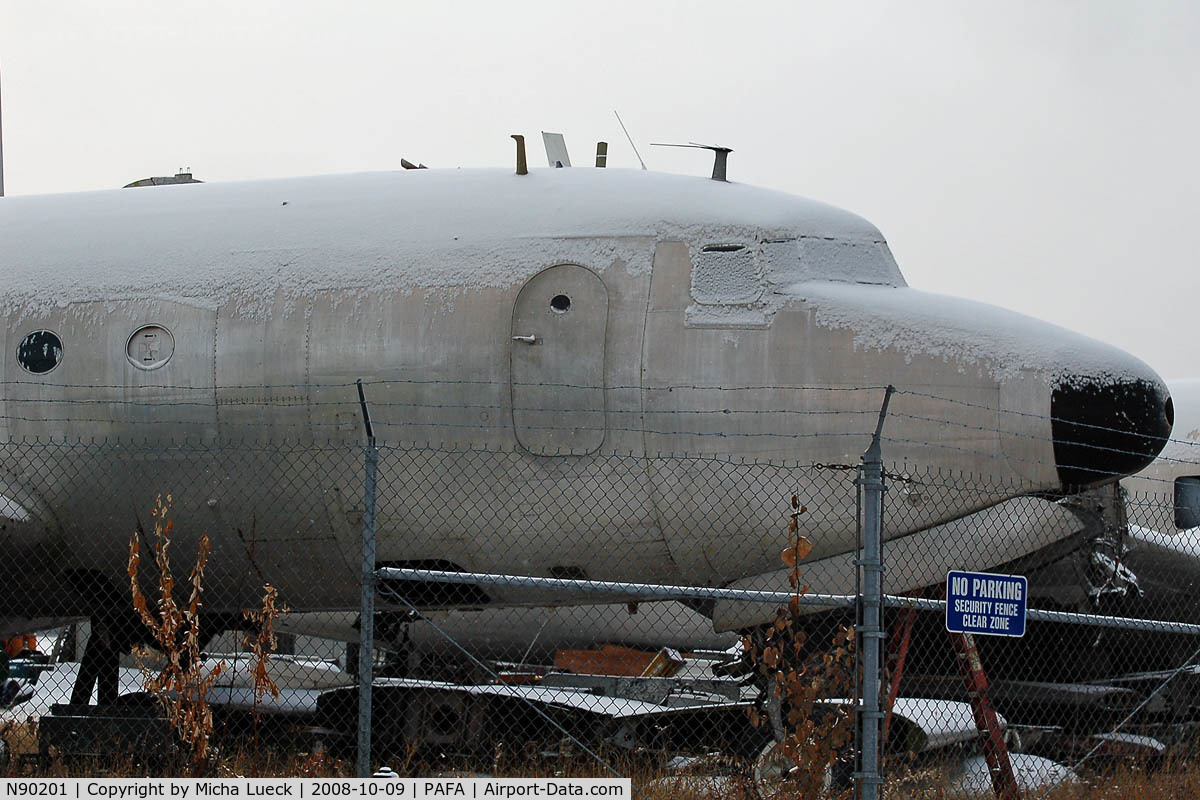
{"type": "Point", "coordinates": [353, 440]}
{"type": "Point", "coordinates": [368, 382]}
{"type": "Point", "coordinates": [318, 403]}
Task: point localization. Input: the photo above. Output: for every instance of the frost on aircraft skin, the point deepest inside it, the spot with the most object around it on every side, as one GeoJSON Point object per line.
{"type": "Point", "coordinates": [1001, 343]}
{"type": "Point", "coordinates": [726, 275]}
{"type": "Point", "coordinates": [238, 246]}
{"type": "Point", "coordinates": [736, 285]}
{"type": "Point", "coordinates": [854, 283]}
{"type": "Point", "coordinates": [211, 245]}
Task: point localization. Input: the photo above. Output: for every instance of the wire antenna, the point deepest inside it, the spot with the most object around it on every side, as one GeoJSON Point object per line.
{"type": "Point", "coordinates": [630, 138]}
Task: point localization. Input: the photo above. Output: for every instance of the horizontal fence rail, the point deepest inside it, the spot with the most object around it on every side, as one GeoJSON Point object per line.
{"type": "Point", "coordinates": [645, 591]}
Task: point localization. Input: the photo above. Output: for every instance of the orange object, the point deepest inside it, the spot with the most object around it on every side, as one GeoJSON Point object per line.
{"type": "Point", "coordinates": [995, 750]}
{"type": "Point", "coordinates": [22, 642]}
{"type": "Point", "coordinates": [613, 660]}
{"type": "Point", "coordinates": [518, 678]}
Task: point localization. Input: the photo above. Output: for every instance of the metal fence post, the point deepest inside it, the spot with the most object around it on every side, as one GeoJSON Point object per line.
{"type": "Point", "coordinates": [870, 629]}
{"type": "Point", "coordinates": [366, 647]}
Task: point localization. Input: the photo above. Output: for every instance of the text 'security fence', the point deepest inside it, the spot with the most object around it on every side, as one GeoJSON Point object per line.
{"type": "Point", "coordinates": [732, 620]}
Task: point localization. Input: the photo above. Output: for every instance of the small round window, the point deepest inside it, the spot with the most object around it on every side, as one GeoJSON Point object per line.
{"type": "Point", "coordinates": [560, 304]}
{"type": "Point", "coordinates": [40, 352]}
{"type": "Point", "coordinates": [150, 347]}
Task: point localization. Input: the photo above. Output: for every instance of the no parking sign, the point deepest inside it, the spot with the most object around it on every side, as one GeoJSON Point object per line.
{"type": "Point", "coordinates": [984, 603]}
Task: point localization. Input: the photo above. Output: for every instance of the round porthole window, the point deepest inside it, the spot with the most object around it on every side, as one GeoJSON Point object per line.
{"type": "Point", "coordinates": [150, 347]}
{"type": "Point", "coordinates": [560, 304]}
{"type": "Point", "coordinates": [40, 352]}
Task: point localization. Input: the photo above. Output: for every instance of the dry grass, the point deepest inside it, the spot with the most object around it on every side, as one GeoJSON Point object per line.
{"type": "Point", "coordinates": [243, 763]}
{"type": "Point", "coordinates": [1175, 781]}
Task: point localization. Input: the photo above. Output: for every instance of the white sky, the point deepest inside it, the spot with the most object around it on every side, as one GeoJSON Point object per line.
{"type": "Point", "coordinates": [1037, 155]}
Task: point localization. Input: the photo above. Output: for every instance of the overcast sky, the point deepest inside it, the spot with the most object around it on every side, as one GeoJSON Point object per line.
{"type": "Point", "coordinates": [1037, 155]}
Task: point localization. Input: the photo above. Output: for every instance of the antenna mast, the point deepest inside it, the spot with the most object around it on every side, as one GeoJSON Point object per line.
{"type": "Point", "coordinates": [630, 138]}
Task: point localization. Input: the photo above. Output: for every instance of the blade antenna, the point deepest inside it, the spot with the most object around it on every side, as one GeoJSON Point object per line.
{"type": "Point", "coordinates": [630, 138]}
{"type": "Point", "coordinates": [720, 152]}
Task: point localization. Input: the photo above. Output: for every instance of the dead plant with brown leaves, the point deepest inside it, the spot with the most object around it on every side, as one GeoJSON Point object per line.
{"type": "Point", "coordinates": [181, 683]}
{"type": "Point", "coordinates": [811, 733]}
{"type": "Point", "coordinates": [263, 645]}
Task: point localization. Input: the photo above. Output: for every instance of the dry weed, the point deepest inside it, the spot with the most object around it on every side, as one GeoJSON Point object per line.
{"type": "Point", "coordinates": [263, 645]}
{"type": "Point", "coordinates": [810, 734]}
{"type": "Point", "coordinates": [180, 684]}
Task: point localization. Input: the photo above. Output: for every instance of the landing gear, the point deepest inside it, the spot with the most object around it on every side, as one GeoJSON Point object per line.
{"type": "Point", "coordinates": [113, 634]}
{"type": "Point", "coordinates": [101, 661]}
{"type": "Point", "coordinates": [115, 628]}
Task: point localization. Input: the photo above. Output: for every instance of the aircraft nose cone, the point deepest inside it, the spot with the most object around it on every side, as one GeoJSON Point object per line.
{"type": "Point", "coordinates": [1107, 428]}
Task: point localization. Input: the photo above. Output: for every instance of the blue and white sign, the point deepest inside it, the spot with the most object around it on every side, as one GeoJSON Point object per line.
{"type": "Point", "coordinates": [980, 602]}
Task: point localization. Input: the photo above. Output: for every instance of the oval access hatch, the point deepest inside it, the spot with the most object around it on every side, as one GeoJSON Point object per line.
{"type": "Point", "coordinates": [558, 329]}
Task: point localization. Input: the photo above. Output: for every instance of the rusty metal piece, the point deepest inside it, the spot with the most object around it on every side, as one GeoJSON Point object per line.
{"type": "Point", "coordinates": [995, 750]}
{"type": "Point", "coordinates": [522, 165]}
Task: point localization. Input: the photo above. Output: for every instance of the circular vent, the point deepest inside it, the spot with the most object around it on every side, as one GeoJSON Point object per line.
{"type": "Point", "coordinates": [150, 346]}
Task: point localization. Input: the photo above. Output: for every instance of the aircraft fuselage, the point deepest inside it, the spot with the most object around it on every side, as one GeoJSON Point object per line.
{"type": "Point", "coordinates": [613, 374]}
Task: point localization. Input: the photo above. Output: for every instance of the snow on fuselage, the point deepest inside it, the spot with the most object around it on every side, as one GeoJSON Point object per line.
{"type": "Point", "coordinates": [546, 321]}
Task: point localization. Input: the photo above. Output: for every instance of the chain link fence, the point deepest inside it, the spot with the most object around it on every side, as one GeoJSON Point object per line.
{"type": "Point", "coordinates": [498, 675]}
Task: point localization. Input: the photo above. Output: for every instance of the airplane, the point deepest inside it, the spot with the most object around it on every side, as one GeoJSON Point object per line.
{"type": "Point", "coordinates": [1129, 549]}
{"type": "Point", "coordinates": [530, 634]}
{"type": "Point", "coordinates": [598, 373]}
